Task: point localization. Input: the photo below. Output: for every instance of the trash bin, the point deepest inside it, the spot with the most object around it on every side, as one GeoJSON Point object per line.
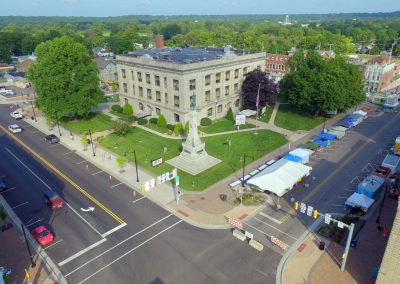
{"type": "Point", "coordinates": [321, 245]}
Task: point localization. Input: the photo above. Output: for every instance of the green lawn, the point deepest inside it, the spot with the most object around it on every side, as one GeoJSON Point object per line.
{"type": "Point", "coordinates": [156, 127]}
{"type": "Point", "coordinates": [95, 122]}
{"type": "Point", "coordinates": [124, 117]}
{"type": "Point", "coordinates": [291, 119]}
{"type": "Point", "coordinates": [223, 125]}
{"type": "Point", "coordinates": [266, 116]}
{"type": "Point", "coordinates": [149, 146]}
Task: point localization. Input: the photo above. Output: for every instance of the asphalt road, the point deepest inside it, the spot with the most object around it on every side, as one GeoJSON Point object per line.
{"type": "Point", "coordinates": [127, 238]}
{"type": "Point", "coordinates": [335, 175]}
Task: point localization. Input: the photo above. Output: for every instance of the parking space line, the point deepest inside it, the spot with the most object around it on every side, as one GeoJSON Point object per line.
{"type": "Point", "coordinates": [97, 173]}
{"type": "Point", "coordinates": [115, 185]}
{"type": "Point", "coordinates": [81, 162]}
{"type": "Point", "coordinates": [113, 230]}
{"type": "Point", "coordinates": [68, 153]}
{"type": "Point", "coordinates": [22, 204]}
{"type": "Point", "coordinates": [34, 132]}
{"type": "Point", "coordinates": [138, 199]}
{"type": "Point", "coordinates": [128, 252]}
{"type": "Point", "coordinates": [37, 221]}
{"type": "Point", "coordinates": [280, 231]}
{"type": "Point", "coordinates": [79, 253]}
{"type": "Point", "coordinates": [117, 245]}
{"type": "Point", "coordinates": [269, 217]}
{"type": "Point", "coordinates": [53, 244]}
{"type": "Point", "coordinates": [8, 189]}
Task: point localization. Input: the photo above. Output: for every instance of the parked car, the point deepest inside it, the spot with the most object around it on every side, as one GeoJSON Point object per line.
{"type": "Point", "coordinates": [52, 139]}
{"type": "Point", "coordinates": [16, 115]}
{"type": "Point", "coordinates": [53, 199]}
{"type": "Point", "coordinates": [3, 185]}
{"type": "Point", "coordinates": [43, 236]}
{"type": "Point", "coordinates": [14, 128]}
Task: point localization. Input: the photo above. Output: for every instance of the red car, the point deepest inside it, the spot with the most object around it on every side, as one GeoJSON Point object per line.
{"type": "Point", "coordinates": [52, 198]}
{"type": "Point", "coordinates": [43, 236]}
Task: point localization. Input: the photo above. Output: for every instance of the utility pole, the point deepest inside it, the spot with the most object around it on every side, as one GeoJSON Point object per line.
{"type": "Point", "coordinates": [137, 174]}
{"type": "Point", "coordinates": [33, 264]}
{"type": "Point", "coordinates": [91, 142]}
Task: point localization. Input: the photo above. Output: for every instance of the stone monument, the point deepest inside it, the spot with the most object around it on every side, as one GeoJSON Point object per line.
{"type": "Point", "coordinates": [193, 158]}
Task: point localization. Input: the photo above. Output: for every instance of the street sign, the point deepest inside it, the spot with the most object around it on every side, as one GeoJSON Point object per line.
{"type": "Point", "coordinates": [240, 119]}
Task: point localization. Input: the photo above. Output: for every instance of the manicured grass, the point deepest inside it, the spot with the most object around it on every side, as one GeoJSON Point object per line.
{"type": "Point", "coordinates": [291, 119]}
{"type": "Point", "coordinates": [223, 125]}
{"type": "Point", "coordinates": [124, 117]}
{"type": "Point", "coordinates": [156, 127]}
{"type": "Point", "coordinates": [266, 116]}
{"type": "Point", "coordinates": [95, 122]}
{"type": "Point", "coordinates": [149, 147]}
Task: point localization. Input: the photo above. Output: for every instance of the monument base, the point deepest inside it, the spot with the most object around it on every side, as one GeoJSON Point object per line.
{"type": "Point", "coordinates": [193, 164]}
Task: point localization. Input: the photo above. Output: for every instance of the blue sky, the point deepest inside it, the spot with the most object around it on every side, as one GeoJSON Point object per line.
{"type": "Point", "coordinates": [189, 7]}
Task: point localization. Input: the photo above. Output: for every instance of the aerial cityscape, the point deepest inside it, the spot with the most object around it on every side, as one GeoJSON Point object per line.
{"type": "Point", "coordinates": [207, 142]}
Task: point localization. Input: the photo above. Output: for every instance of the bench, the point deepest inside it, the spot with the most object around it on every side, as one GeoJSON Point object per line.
{"type": "Point", "coordinates": [258, 246]}
{"type": "Point", "coordinates": [238, 234]}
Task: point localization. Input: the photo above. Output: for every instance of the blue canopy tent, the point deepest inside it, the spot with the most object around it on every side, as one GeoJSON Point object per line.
{"type": "Point", "coordinates": [345, 123]}
{"type": "Point", "coordinates": [292, 158]}
{"type": "Point", "coordinates": [326, 136]}
{"type": "Point", "coordinates": [351, 120]}
{"type": "Point", "coordinates": [321, 143]}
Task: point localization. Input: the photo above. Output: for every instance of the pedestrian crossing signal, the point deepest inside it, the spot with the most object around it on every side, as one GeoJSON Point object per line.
{"type": "Point", "coordinates": [296, 205]}
{"type": "Point", "coordinates": [315, 214]}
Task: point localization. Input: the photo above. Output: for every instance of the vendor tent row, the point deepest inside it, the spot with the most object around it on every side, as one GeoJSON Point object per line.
{"type": "Point", "coordinates": [369, 189]}
{"type": "Point", "coordinates": [281, 176]}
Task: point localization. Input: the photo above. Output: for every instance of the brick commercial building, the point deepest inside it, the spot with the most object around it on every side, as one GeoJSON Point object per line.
{"type": "Point", "coordinates": [378, 73]}
{"type": "Point", "coordinates": [161, 81]}
{"type": "Point", "coordinates": [275, 65]}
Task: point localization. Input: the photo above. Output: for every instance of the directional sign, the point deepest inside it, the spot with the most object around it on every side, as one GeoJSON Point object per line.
{"type": "Point", "coordinates": [88, 209]}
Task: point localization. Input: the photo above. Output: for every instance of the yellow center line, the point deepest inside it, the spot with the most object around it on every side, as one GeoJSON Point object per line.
{"type": "Point", "coordinates": [84, 192]}
{"type": "Point", "coordinates": [319, 187]}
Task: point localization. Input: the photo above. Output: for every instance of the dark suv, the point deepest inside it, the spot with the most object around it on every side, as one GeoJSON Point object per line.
{"type": "Point", "coordinates": [52, 139]}
{"type": "Point", "coordinates": [53, 199]}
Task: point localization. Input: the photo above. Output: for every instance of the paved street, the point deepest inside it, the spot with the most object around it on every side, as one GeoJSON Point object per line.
{"type": "Point", "coordinates": [336, 172]}
{"type": "Point", "coordinates": [127, 239]}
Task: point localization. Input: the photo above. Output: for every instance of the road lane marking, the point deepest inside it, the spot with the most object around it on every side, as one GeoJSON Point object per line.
{"type": "Point", "coordinates": [262, 232]}
{"type": "Point", "coordinates": [269, 217]}
{"type": "Point", "coordinates": [128, 252]}
{"type": "Point", "coordinates": [8, 189]}
{"type": "Point", "coordinates": [43, 160]}
{"type": "Point", "coordinates": [115, 185]}
{"type": "Point", "coordinates": [113, 230]}
{"type": "Point", "coordinates": [22, 204]}
{"type": "Point", "coordinates": [46, 185]}
{"type": "Point", "coordinates": [138, 199]}
{"type": "Point", "coordinates": [59, 241]}
{"type": "Point", "coordinates": [34, 132]}
{"type": "Point", "coordinates": [79, 253]}
{"type": "Point", "coordinates": [81, 162]}
{"type": "Point", "coordinates": [117, 245]}
{"type": "Point", "coordinates": [68, 153]}
{"type": "Point", "coordinates": [280, 231]}
{"type": "Point", "coordinates": [339, 168]}
{"type": "Point", "coordinates": [96, 173]}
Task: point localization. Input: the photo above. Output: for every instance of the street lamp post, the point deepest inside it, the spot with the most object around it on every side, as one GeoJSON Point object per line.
{"type": "Point", "coordinates": [91, 142]}
{"type": "Point", "coordinates": [33, 264]}
{"type": "Point", "coordinates": [33, 109]}
{"type": "Point", "coordinates": [137, 174]}
{"type": "Point", "coordinates": [58, 125]}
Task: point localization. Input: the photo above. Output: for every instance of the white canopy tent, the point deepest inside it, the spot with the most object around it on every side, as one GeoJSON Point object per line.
{"type": "Point", "coordinates": [304, 154]}
{"type": "Point", "coordinates": [337, 133]}
{"type": "Point", "coordinates": [339, 128]}
{"type": "Point", "coordinates": [359, 200]}
{"type": "Point", "coordinates": [280, 177]}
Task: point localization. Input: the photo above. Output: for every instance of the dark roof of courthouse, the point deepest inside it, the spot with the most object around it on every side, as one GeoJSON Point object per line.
{"type": "Point", "coordinates": [188, 55]}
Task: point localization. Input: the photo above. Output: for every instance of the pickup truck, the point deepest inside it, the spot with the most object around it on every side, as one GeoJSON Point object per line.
{"type": "Point", "coordinates": [16, 115]}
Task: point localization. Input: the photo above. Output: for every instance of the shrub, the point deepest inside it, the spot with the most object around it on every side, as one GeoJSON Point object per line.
{"type": "Point", "coordinates": [142, 121]}
{"type": "Point", "coordinates": [121, 162]}
{"type": "Point", "coordinates": [121, 128]}
{"type": "Point", "coordinates": [161, 121]}
{"type": "Point", "coordinates": [205, 121]}
{"type": "Point", "coordinates": [187, 127]}
{"type": "Point", "coordinates": [128, 110]}
{"type": "Point", "coordinates": [153, 120]}
{"type": "Point", "coordinates": [170, 132]}
{"type": "Point", "coordinates": [229, 114]}
{"type": "Point", "coordinates": [84, 141]}
{"type": "Point", "coordinates": [178, 128]}
{"type": "Point", "coordinates": [115, 107]}
{"type": "Point", "coordinates": [170, 127]}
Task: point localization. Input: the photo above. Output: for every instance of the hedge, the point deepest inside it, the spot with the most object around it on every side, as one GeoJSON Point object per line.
{"type": "Point", "coordinates": [142, 121]}
{"type": "Point", "coordinates": [205, 121]}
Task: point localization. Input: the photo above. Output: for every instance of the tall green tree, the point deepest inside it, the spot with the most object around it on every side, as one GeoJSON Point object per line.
{"type": "Point", "coordinates": [315, 85]}
{"type": "Point", "coordinates": [65, 78]}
